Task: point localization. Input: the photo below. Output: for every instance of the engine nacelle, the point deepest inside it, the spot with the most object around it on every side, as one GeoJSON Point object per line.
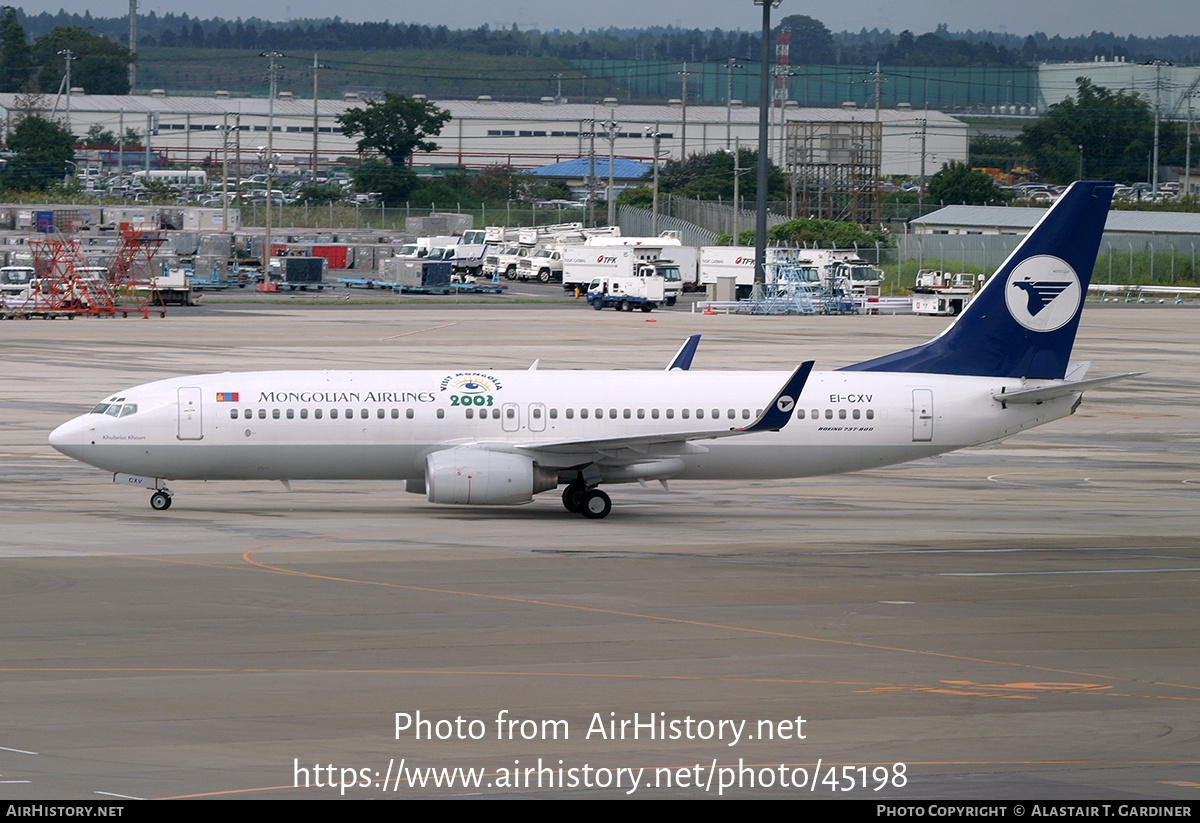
{"type": "Point", "coordinates": [471, 475]}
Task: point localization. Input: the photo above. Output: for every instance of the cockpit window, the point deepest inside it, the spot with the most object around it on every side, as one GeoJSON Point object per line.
{"type": "Point", "coordinates": [116, 409]}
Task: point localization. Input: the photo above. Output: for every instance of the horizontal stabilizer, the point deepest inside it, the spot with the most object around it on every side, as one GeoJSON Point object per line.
{"type": "Point", "coordinates": [1044, 393]}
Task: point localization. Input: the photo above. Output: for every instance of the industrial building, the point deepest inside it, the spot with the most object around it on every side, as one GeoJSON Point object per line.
{"type": "Point", "coordinates": [188, 130]}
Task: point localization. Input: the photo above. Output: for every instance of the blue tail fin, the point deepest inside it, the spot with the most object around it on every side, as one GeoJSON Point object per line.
{"type": "Point", "coordinates": [1023, 321]}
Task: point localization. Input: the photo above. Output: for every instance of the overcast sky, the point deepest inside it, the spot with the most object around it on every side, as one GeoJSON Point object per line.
{"type": "Point", "coordinates": [1066, 17]}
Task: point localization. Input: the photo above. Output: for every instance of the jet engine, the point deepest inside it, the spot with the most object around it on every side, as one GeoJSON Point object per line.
{"type": "Point", "coordinates": [481, 477]}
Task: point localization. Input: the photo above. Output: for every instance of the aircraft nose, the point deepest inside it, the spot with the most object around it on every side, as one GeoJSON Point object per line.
{"type": "Point", "coordinates": [68, 438]}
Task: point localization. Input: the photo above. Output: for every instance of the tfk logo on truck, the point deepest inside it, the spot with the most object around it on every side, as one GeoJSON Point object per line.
{"type": "Point", "coordinates": [603, 259]}
{"type": "Point", "coordinates": [1043, 293]}
{"type": "Point", "coordinates": [470, 388]}
{"type": "Point", "coordinates": [744, 261]}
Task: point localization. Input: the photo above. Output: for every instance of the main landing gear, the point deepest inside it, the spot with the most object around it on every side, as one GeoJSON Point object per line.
{"type": "Point", "coordinates": [592, 503]}
{"type": "Point", "coordinates": [160, 501]}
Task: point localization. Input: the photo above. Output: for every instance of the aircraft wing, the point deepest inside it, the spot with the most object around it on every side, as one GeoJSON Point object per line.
{"type": "Point", "coordinates": [1043, 393]}
{"type": "Point", "coordinates": [773, 418]}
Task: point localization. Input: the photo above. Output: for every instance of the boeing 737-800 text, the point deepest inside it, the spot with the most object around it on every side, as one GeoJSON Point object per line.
{"type": "Point", "coordinates": [500, 437]}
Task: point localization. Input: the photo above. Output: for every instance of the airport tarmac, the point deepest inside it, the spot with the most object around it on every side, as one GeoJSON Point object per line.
{"type": "Point", "coordinates": [1013, 622]}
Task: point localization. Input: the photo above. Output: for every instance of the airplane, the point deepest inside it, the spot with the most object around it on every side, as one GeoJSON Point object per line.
{"type": "Point", "coordinates": [502, 437]}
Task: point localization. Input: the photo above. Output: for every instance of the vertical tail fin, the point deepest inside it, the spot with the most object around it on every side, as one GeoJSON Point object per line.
{"type": "Point", "coordinates": [1023, 322]}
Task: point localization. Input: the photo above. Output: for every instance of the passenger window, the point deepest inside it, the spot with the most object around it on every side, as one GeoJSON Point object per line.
{"type": "Point", "coordinates": [262, 414]}
{"type": "Point", "coordinates": [554, 414]}
{"type": "Point", "coordinates": [816, 413]}
{"type": "Point", "coordinates": [395, 414]}
{"type": "Point", "coordinates": [470, 414]}
{"type": "Point", "coordinates": [870, 414]}
{"type": "Point", "coordinates": [379, 413]}
{"type": "Point", "coordinates": [841, 414]}
{"type": "Point", "coordinates": [612, 414]}
{"type": "Point", "coordinates": [685, 413]}
{"type": "Point", "coordinates": [510, 413]}
{"type": "Point", "coordinates": [699, 414]}
{"type": "Point", "coordinates": [626, 414]}
{"type": "Point", "coordinates": [408, 414]}
{"type": "Point", "coordinates": [246, 413]}
{"type": "Point", "coordinates": [717, 414]}
{"type": "Point", "coordinates": [799, 414]}
{"type": "Point", "coordinates": [745, 414]}
{"type": "Point", "coordinates": [570, 414]}
{"type": "Point", "coordinates": [856, 414]}
{"type": "Point", "coordinates": [583, 414]}
{"type": "Point", "coordinates": [291, 414]}
{"type": "Point", "coordinates": [304, 414]}
{"type": "Point", "coordinates": [670, 414]}
{"type": "Point", "coordinates": [654, 414]}
{"type": "Point", "coordinates": [364, 414]}
{"type": "Point", "coordinates": [732, 414]}
{"type": "Point", "coordinates": [495, 414]}
{"type": "Point", "coordinates": [275, 414]}
{"type": "Point", "coordinates": [537, 413]}
{"type": "Point", "coordinates": [317, 414]}
{"type": "Point", "coordinates": [333, 414]}
{"type": "Point", "coordinates": [441, 414]}
{"type": "Point", "coordinates": [233, 414]}
{"type": "Point", "coordinates": [829, 414]}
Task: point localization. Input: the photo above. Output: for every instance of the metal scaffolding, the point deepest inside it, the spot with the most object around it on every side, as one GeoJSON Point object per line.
{"type": "Point", "coordinates": [834, 167]}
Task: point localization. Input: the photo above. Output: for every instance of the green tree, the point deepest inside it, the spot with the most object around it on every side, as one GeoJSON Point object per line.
{"type": "Point", "coordinates": [393, 183]}
{"type": "Point", "coordinates": [826, 234]}
{"type": "Point", "coordinates": [812, 42]}
{"type": "Point", "coordinates": [15, 60]}
{"type": "Point", "coordinates": [958, 183]}
{"type": "Point", "coordinates": [97, 135]}
{"type": "Point", "coordinates": [1115, 129]}
{"type": "Point", "coordinates": [100, 65]}
{"type": "Point", "coordinates": [42, 154]}
{"type": "Point", "coordinates": [395, 128]}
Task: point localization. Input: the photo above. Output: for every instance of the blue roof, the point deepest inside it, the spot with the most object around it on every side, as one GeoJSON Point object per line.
{"type": "Point", "coordinates": [622, 168]}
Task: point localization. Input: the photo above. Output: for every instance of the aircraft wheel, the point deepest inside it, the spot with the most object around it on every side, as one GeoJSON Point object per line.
{"type": "Point", "coordinates": [572, 497]}
{"type": "Point", "coordinates": [160, 501]}
{"type": "Point", "coordinates": [596, 505]}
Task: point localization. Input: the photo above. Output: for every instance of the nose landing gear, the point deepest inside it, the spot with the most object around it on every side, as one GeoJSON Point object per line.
{"type": "Point", "coordinates": [160, 501]}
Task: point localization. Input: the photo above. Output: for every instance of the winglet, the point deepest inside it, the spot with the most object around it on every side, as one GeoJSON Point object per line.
{"type": "Point", "coordinates": [776, 415]}
{"type": "Point", "coordinates": [683, 357]}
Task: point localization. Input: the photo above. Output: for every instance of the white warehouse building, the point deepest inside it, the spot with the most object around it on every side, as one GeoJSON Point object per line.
{"type": "Point", "coordinates": [189, 130]}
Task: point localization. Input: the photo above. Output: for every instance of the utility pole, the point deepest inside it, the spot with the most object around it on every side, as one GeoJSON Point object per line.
{"type": "Point", "coordinates": [592, 170]}
{"type": "Point", "coordinates": [730, 65]}
{"type": "Point", "coordinates": [654, 205]}
{"type": "Point", "coordinates": [611, 128]}
{"type": "Point", "coordinates": [316, 122]}
{"type": "Point", "coordinates": [67, 57]}
{"type": "Point", "coordinates": [1158, 64]}
{"type": "Point", "coordinates": [683, 100]}
{"type": "Point", "coordinates": [133, 44]}
{"type": "Point", "coordinates": [270, 161]}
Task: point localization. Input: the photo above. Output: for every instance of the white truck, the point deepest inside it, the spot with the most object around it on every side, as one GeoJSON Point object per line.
{"type": "Point", "coordinates": [644, 289]}
{"type": "Point", "coordinates": [844, 270]}
{"type": "Point", "coordinates": [584, 265]}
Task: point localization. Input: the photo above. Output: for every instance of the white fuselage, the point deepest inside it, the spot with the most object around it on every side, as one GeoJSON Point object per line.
{"type": "Point", "coordinates": [382, 424]}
